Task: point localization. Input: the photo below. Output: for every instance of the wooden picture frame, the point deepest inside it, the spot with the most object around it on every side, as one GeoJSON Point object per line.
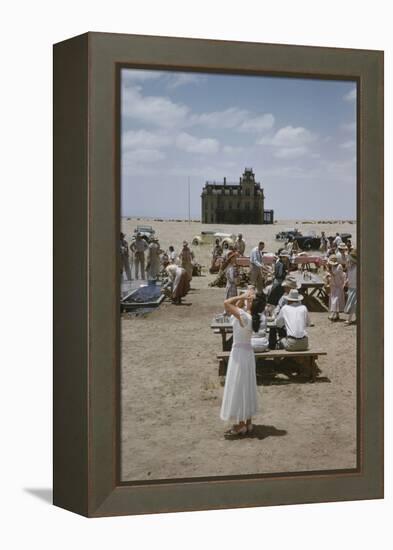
{"type": "Point", "coordinates": [86, 294]}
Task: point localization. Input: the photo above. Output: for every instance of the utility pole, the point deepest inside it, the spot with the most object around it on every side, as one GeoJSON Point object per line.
{"type": "Point", "coordinates": [189, 202]}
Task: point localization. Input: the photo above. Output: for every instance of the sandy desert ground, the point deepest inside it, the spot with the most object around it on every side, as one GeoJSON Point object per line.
{"type": "Point", "coordinates": [171, 392]}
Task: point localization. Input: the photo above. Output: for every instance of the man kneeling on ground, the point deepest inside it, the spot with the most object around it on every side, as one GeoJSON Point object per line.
{"type": "Point", "coordinates": [295, 318]}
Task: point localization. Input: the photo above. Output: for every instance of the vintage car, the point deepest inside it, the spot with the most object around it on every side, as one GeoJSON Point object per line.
{"type": "Point", "coordinates": [209, 237]}
{"type": "Point", "coordinates": [284, 235]}
{"type": "Point", "coordinates": [146, 231]}
{"type": "Point", "coordinates": [312, 242]}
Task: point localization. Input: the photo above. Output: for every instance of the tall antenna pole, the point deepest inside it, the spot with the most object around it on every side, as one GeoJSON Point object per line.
{"type": "Point", "coordinates": [189, 203]}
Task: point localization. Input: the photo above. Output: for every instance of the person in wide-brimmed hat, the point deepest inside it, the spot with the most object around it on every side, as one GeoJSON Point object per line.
{"type": "Point", "coordinates": [351, 282]}
{"type": "Point", "coordinates": [138, 248]}
{"type": "Point", "coordinates": [341, 254]}
{"type": "Point", "coordinates": [186, 258]}
{"type": "Point", "coordinates": [295, 318]}
{"type": "Point", "coordinates": [288, 284]}
{"type": "Point", "coordinates": [335, 280]}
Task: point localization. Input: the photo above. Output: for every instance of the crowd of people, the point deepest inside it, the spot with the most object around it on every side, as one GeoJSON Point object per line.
{"type": "Point", "coordinates": [274, 295]}
{"type": "Point", "coordinates": [268, 315]}
{"type": "Point", "coordinates": [339, 261]}
{"type": "Point", "coordinates": [148, 260]}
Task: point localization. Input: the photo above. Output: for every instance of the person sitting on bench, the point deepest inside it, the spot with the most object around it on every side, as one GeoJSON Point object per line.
{"type": "Point", "coordinates": [294, 316]}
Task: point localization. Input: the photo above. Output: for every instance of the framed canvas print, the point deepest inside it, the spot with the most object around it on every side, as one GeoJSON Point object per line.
{"type": "Point", "coordinates": [218, 274]}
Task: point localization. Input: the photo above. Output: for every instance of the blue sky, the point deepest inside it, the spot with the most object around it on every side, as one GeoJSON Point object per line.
{"type": "Point", "coordinates": [299, 136]}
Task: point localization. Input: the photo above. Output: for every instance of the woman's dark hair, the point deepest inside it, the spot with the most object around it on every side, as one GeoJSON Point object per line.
{"type": "Point", "coordinates": [258, 306]}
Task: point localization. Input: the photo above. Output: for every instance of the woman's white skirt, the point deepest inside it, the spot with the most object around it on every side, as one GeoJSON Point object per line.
{"type": "Point", "coordinates": [336, 299]}
{"type": "Point", "coordinates": [240, 392]}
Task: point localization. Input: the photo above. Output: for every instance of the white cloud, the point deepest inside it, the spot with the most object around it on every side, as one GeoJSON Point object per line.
{"type": "Point", "coordinates": [229, 118]}
{"type": "Point", "coordinates": [139, 75]}
{"type": "Point", "coordinates": [144, 140]}
{"type": "Point", "coordinates": [191, 144]}
{"type": "Point", "coordinates": [349, 127]}
{"type": "Point", "coordinates": [351, 95]}
{"type": "Point", "coordinates": [258, 123]}
{"type": "Point", "coordinates": [184, 79]}
{"type": "Point", "coordinates": [162, 112]}
{"type": "Point", "coordinates": [289, 137]}
{"type": "Point", "coordinates": [229, 149]}
{"type": "Point", "coordinates": [154, 110]}
{"type": "Point", "coordinates": [145, 156]}
{"type": "Point", "coordinates": [350, 145]}
{"type": "Point", "coordinates": [290, 152]}
{"type": "Point", "coordinates": [234, 118]}
{"type": "Point", "coordinates": [289, 142]}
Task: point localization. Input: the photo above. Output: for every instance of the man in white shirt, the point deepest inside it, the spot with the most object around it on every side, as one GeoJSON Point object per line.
{"type": "Point", "coordinates": [295, 318]}
{"type": "Point", "coordinates": [337, 240]}
{"type": "Point", "coordinates": [138, 247]}
{"type": "Point", "coordinates": [256, 277]}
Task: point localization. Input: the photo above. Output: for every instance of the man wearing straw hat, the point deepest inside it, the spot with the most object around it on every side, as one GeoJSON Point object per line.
{"type": "Point", "coordinates": [288, 284]}
{"type": "Point", "coordinates": [138, 247]}
{"type": "Point", "coordinates": [275, 333]}
{"type": "Point", "coordinates": [295, 318]}
{"type": "Point", "coordinates": [351, 276]}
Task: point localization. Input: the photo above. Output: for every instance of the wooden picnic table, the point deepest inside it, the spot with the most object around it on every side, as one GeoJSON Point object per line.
{"type": "Point", "coordinates": [310, 285]}
{"type": "Point", "coordinates": [225, 329]}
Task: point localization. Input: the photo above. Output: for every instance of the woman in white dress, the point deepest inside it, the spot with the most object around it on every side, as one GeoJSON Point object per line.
{"type": "Point", "coordinates": [336, 281]}
{"type": "Point", "coordinates": [240, 392]}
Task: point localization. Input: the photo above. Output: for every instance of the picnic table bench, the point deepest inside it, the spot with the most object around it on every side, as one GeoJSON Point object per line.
{"type": "Point", "coordinates": [310, 355]}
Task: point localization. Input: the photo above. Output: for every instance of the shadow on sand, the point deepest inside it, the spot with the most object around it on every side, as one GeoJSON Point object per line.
{"type": "Point", "coordinates": [286, 372]}
{"type": "Point", "coordinates": [259, 431]}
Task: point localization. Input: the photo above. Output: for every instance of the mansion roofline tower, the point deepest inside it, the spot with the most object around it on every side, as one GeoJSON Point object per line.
{"type": "Point", "coordinates": [235, 203]}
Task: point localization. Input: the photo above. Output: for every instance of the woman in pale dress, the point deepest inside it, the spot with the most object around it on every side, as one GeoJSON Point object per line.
{"type": "Point", "coordinates": [180, 282]}
{"type": "Point", "coordinates": [351, 276]}
{"type": "Point", "coordinates": [336, 281]}
{"type": "Point", "coordinates": [239, 402]}
{"type": "Point", "coordinates": [153, 259]}
{"type": "Point", "coordinates": [186, 258]}
{"type": "Point", "coordinates": [232, 275]}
